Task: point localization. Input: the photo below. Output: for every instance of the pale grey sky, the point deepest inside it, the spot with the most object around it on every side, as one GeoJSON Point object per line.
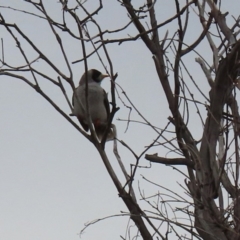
{"type": "Point", "coordinates": [52, 180]}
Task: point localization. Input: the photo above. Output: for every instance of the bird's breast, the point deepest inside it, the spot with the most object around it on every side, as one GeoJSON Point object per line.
{"type": "Point", "coordinates": [97, 108]}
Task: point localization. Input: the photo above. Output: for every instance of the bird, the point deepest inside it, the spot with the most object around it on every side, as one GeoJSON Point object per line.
{"type": "Point", "coordinates": [98, 104]}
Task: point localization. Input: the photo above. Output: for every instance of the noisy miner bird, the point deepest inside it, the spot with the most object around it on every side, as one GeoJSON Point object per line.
{"type": "Point", "coordinates": [98, 104]}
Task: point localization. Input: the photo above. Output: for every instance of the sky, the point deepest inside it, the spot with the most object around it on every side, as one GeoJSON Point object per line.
{"type": "Point", "coordinates": [52, 179]}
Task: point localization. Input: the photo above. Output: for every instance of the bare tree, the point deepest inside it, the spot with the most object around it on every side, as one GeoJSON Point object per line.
{"type": "Point", "coordinates": [211, 206]}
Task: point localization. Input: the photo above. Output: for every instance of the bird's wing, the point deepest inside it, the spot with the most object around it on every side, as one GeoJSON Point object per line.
{"type": "Point", "coordinates": [84, 125]}
{"type": "Point", "coordinates": [106, 103]}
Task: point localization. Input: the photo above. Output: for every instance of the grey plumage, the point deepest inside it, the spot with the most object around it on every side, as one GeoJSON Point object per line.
{"type": "Point", "coordinates": [99, 109]}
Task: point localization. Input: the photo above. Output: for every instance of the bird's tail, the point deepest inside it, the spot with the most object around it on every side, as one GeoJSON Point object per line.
{"type": "Point", "coordinates": [112, 133]}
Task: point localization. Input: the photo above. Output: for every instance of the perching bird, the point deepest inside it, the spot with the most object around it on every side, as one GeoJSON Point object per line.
{"type": "Point", "coordinates": [98, 104]}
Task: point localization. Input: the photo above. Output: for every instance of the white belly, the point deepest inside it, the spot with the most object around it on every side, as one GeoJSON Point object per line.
{"type": "Point", "coordinates": [97, 109]}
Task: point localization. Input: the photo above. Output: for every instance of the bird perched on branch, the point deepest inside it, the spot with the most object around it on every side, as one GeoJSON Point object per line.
{"type": "Point", "coordinates": [98, 104]}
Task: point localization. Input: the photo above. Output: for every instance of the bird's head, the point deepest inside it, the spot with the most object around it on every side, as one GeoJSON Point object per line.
{"type": "Point", "coordinates": [93, 76]}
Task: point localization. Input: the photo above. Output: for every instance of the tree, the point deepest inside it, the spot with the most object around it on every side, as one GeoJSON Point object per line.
{"type": "Point", "coordinates": [203, 145]}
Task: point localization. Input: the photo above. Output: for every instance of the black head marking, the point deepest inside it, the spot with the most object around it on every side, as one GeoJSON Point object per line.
{"type": "Point", "coordinates": [96, 75]}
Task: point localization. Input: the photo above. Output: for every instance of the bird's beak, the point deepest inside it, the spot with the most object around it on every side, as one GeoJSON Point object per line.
{"type": "Point", "coordinates": [105, 75]}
